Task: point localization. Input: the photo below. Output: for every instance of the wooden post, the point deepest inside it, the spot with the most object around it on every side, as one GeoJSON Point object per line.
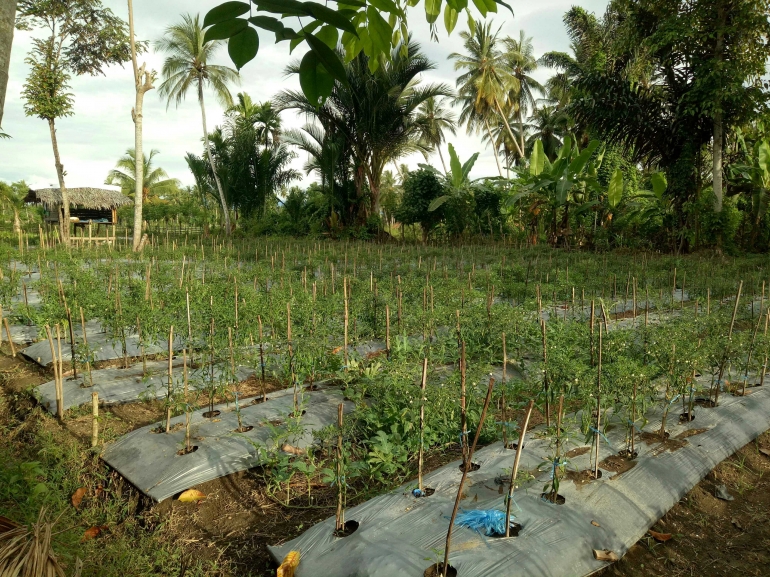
{"type": "Point", "coordinates": [465, 474]}
{"type": "Point", "coordinates": [598, 408]}
{"type": "Point", "coordinates": [515, 469]}
{"type": "Point", "coordinates": [387, 330]}
{"type": "Point", "coordinates": [10, 338]}
{"type": "Point", "coordinates": [545, 375]}
{"type": "Point", "coordinates": [422, 422]}
{"type": "Point", "coordinates": [95, 418]}
{"type": "Point", "coordinates": [463, 413]}
{"type": "Point", "coordinates": [170, 376]}
{"type": "Point", "coordinates": [345, 298]}
{"type": "Point", "coordinates": [85, 343]}
{"type": "Point", "coordinates": [340, 516]}
{"type": "Point", "coordinates": [57, 385]}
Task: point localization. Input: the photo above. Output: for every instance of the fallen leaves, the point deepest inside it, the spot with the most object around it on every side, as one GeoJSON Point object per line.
{"type": "Point", "coordinates": [7, 525]}
{"type": "Point", "coordinates": [765, 452]}
{"type": "Point", "coordinates": [595, 524]}
{"type": "Point", "coordinates": [93, 532]}
{"type": "Point", "coordinates": [661, 537]}
{"type": "Point", "coordinates": [292, 450]}
{"type": "Point", "coordinates": [290, 563]}
{"type": "Point", "coordinates": [191, 496]}
{"type": "Point", "coordinates": [77, 497]}
{"type": "Point", "coordinates": [605, 555]}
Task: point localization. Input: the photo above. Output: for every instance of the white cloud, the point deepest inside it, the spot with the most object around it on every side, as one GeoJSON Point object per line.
{"type": "Point", "coordinates": [101, 129]}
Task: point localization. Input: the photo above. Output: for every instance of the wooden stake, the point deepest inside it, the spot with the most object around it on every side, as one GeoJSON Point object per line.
{"type": "Point", "coordinates": [598, 409]}
{"type": "Point", "coordinates": [340, 516]}
{"type": "Point", "coordinates": [95, 419]}
{"type": "Point", "coordinates": [515, 469]}
{"type": "Point", "coordinates": [422, 422]}
{"type": "Point", "coordinates": [465, 474]}
{"type": "Point", "coordinates": [170, 376]}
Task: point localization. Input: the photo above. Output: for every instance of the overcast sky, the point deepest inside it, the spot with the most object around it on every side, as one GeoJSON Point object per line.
{"type": "Point", "coordinates": [100, 131]}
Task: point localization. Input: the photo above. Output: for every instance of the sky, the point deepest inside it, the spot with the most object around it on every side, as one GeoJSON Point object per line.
{"type": "Point", "coordinates": [98, 134]}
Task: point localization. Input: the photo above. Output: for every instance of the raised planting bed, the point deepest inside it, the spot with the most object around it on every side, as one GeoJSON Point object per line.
{"type": "Point", "coordinates": [150, 458]}
{"type": "Point", "coordinates": [117, 385]}
{"type": "Point", "coordinates": [400, 535]}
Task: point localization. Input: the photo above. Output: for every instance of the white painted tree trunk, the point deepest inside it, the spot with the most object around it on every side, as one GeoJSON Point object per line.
{"type": "Point", "coordinates": [64, 215]}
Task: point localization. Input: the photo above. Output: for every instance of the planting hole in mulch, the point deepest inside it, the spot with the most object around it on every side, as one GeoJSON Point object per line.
{"type": "Point", "coordinates": [294, 415]}
{"type": "Point", "coordinates": [313, 387]}
{"type": "Point", "coordinates": [162, 428]}
{"type": "Point", "coordinates": [437, 570]}
{"type": "Point", "coordinates": [211, 414]}
{"type": "Point", "coordinates": [260, 400]}
{"type": "Point", "coordinates": [664, 443]}
{"type": "Point", "coordinates": [276, 422]}
{"type": "Point", "coordinates": [426, 492]}
{"type": "Point", "coordinates": [686, 418]}
{"type": "Point", "coordinates": [515, 445]}
{"type": "Point", "coordinates": [551, 498]}
{"type": "Point", "coordinates": [473, 467]}
{"type": "Point", "coordinates": [348, 529]}
{"type": "Point", "coordinates": [617, 464]}
{"type": "Point", "coordinates": [245, 429]}
{"type": "Point", "coordinates": [187, 451]}
{"type": "Point", "coordinates": [581, 478]}
{"type": "Point", "coordinates": [514, 532]}
{"type": "Point", "coordinates": [577, 452]}
{"type": "Point", "coordinates": [627, 454]}
{"type": "Point", "coordinates": [702, 402]}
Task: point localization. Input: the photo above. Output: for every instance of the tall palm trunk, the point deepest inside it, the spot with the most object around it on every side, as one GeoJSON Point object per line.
{"type": "Point", "coordinates": [64, 215]}
{"type": "Point", "coordinates": [7, 20]}
{"type": "Point", "coordinates": [521, 133]}
{"type": "Point", "coordinates": [718, 128]}
{"type": "Point", "coordinates": [492, 140]}
{"type": "Point", "coordinates": [211, 160]}
{"type": "Point", "coordinates": [142, 83]}
{"type": "Point", "coordinates": [508, 127]}
{"type": "Point", "coordinates": [441, 156]}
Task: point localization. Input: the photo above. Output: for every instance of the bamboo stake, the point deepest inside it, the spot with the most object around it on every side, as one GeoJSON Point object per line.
{"type": "Point", "coordinates": [465, 474]}
{"type": "Point", "coordinates": [387, 330]}
{"type": "Point", "coordinates": [340, 516]}
{"type": "Point", "coordinates": [10, 338]}
{"type": "Point", "coordinates": [422, 422]}
{"type": "Point", "coordinates": [95, 419]}
{"type": "Point", "coordinates": [515, 469]}
{"type": "Point", "coordinates": [598, 409]}
{"type": "Point", "coordinates": [170, 376]}
{"type": "Point", "coordinates": [57, 385]}
{"type": "Point", "coordinates": [463, 413]}
{"type": "Point", "coordinates": [85, 343]}
{"type": "Point", "coordinates": [545, 375]}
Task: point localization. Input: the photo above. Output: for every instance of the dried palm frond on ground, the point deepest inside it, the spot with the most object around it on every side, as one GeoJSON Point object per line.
{"type": "Point", "coordinates": [26, 552]}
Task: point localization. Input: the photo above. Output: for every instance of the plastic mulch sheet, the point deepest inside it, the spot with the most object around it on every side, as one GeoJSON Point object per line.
{"type": "Point", "coordinates": [149, 460]}
{"type": "Point", "coordinates": [118, 385]}
{"type": "Point", "coordinates": [400, 535]}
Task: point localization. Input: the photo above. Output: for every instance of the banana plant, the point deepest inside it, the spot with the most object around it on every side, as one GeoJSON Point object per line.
{"type": "Point", "coordinates": [557, 186]}
{"type": "Point", "coordinates": [754, 178]}
{"type": "Point", "coordinates": [456, 181]}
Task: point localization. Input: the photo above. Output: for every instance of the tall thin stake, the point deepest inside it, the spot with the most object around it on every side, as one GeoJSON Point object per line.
{"type": "Point", "coordinates": [515, 470]}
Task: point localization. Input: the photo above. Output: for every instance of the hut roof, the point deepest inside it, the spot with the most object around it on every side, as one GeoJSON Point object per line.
{"type": "Point", "coordinates": [91, 198]}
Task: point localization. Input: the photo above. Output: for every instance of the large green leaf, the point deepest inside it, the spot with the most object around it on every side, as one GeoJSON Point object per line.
{"type": "Point", "coordinates": [328, 58]}
{"type": "Point", "coordinates": [386, 6]}
{"type": "Point", "coordinates": [450, 18]}
{"type": "Point", "coordinates": [226, 11]}
{"type": "Point", "coordinates": [286, 7]}
{"type": "Point", "coordinates": [243, 47]}
{"type": "Point", "coordinates": [336, 18]}
{"type": "Point", "coordinates": [380, 31]}
{"type": "Point", "coordinates": [432, 10]}
{"type": "Point", "coordinates": [267, 23]}
{"type": "Point", "coordinates": [328, 35]}
{"type": "Point", "coordinates": [579, 163]}
{"type": "Point", "coordinates": [315, 80]}
{"type": "Point", "coordinates": [536, 158]}
{"type": "Point", "coordinates": [455, 167]}
{"type": "Point", "coordinates": [437, 202]}
{"type": "Point", "coordinates": [225, 30]}
{"type": "Point", "coordinates": [763, 159]}
{"type": "Point", "coordinates": [659, 184]}
{"type": "Point", "coordinates": [615, 190]}
{"type": "Point", "coordinates": [468, 165]}
{"type": "Point", "coordinates": [566, 148]}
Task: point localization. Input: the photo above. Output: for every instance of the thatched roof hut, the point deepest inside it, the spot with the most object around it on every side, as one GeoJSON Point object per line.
{"type": "Point", "coordinates": [88, 198]}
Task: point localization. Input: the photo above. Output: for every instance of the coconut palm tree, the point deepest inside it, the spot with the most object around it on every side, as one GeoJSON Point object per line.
{"type": "Point", "coordinates": [477, 119]}
{"type": "Point", "coordinates": [156, 181]}
{"type": "Point", "coordinates": [521, 63]}
{"type": "Point", "coordinates": [549, 125]}
{"type": "Point", "coordinates": [433, 119]}
{"type": "Point", "coordinates": [187, 66]}
{"type": "Point", "coordinates": [374, 113]}
{"type": "Point", "coordinates": [488, 80]}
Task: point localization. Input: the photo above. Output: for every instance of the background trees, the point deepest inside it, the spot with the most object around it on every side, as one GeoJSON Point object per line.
{"type": "Point", "coordinates": [187, 67]}
{"type": "Point", "coordinates": [81, 37]}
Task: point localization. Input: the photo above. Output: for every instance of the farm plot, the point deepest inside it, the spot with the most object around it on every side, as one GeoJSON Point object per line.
{"type": "Point", "coordinates": [409, 336]}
